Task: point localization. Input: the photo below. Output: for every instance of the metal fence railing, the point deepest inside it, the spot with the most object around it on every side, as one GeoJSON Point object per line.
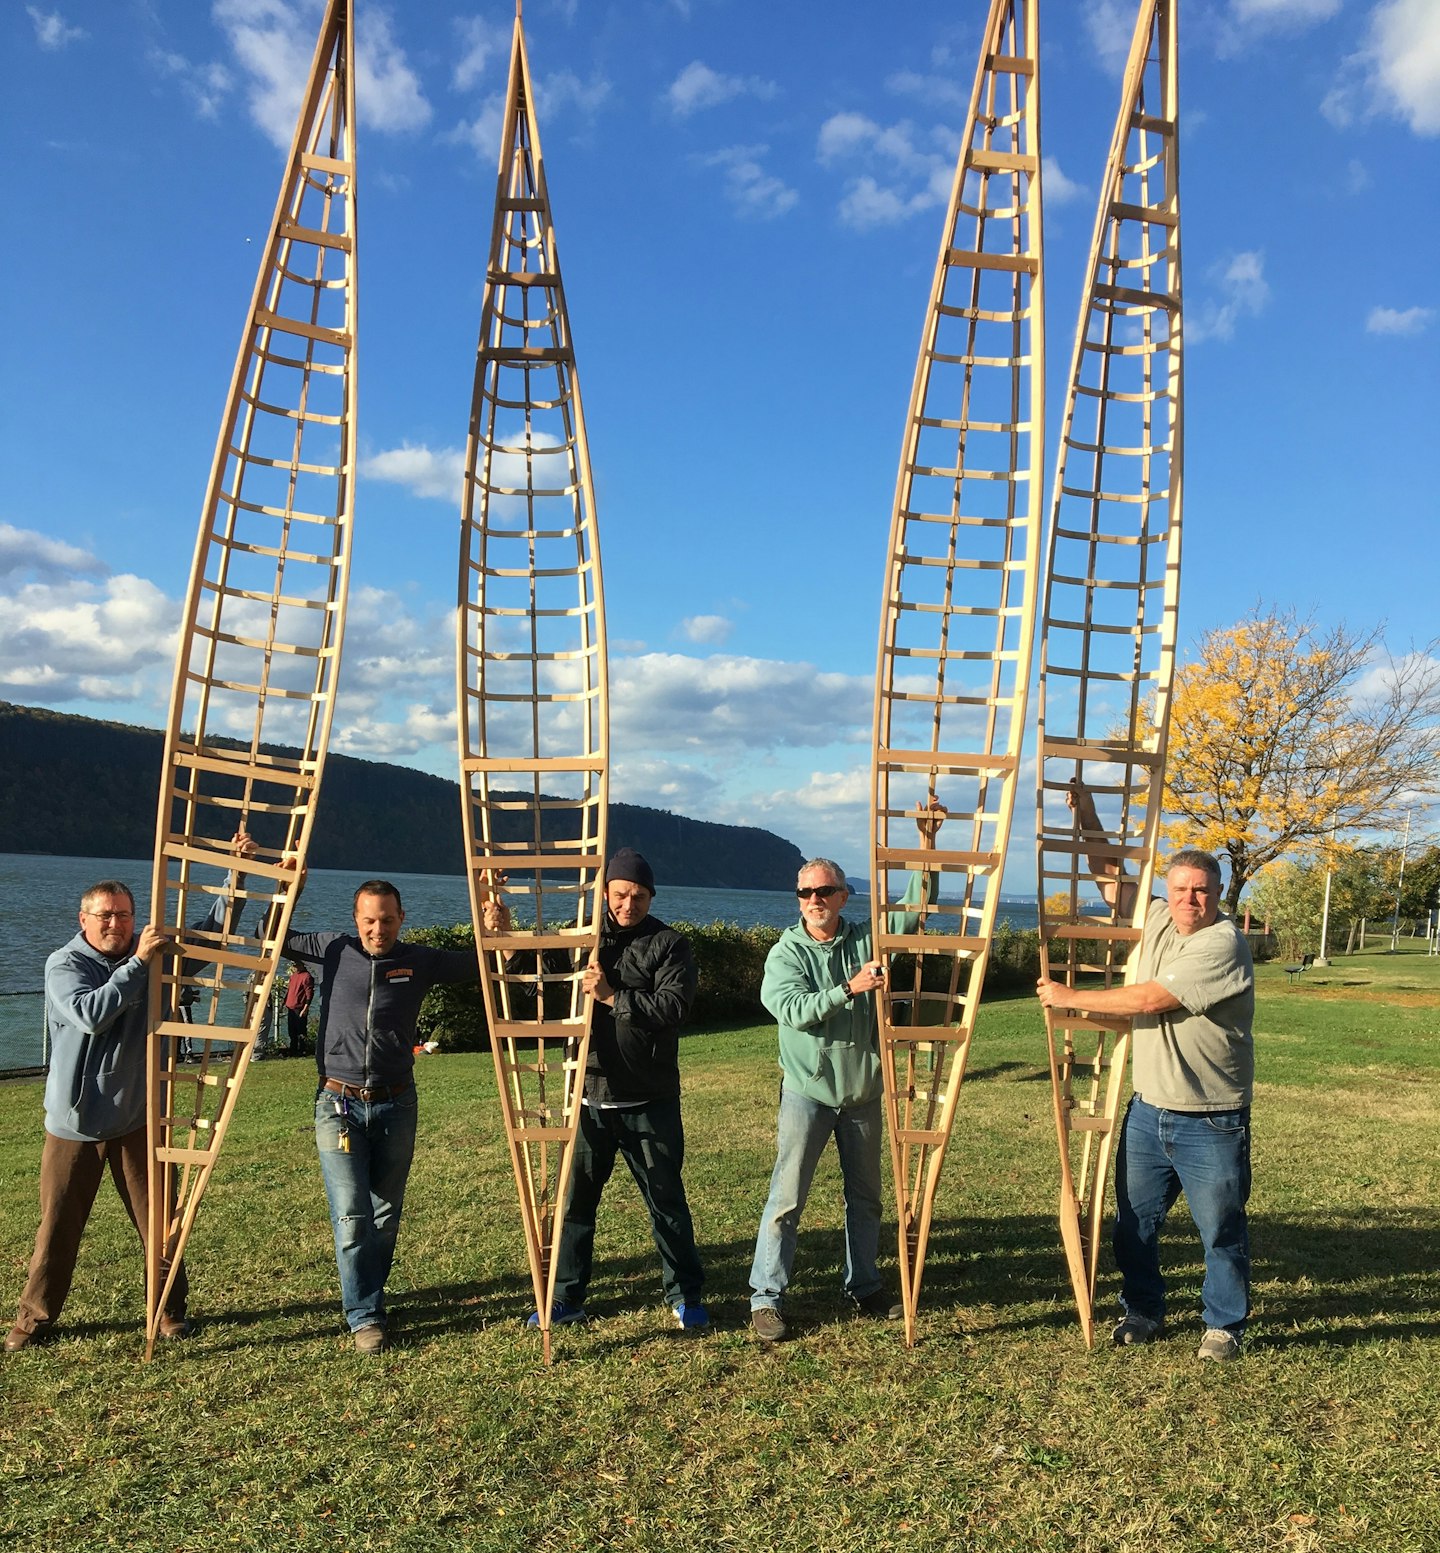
{"type": "Point", "coordinates": [24, 1034]}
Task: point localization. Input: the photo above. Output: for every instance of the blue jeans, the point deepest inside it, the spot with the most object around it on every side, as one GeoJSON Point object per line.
{"type": "Point", "coordinates": [1205, 1154]}
{"type": "Point", "coordinates": [804, 1128]}
{"type": "Point", "coordinates": [651, 1137]}
{"type": "Point", "coordinates": [366, 1190]}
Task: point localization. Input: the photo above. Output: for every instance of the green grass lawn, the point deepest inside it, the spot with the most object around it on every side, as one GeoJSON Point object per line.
{"type": "Point", "coordinates": [997, 1431]}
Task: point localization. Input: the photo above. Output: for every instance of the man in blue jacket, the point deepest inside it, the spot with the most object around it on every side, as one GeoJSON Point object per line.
{"type": "Point", "coordinates": [95, 1002]}
{"type": "Point", "coordinates": [372, 984]}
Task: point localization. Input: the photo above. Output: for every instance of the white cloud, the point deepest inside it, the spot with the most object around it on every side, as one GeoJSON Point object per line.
{"type": "Point", "coordinates": [1110, 24]}
{"type": "Point", "coordinates": [945, 91]}
{"type": "Point", "coordinates": [749, 188]}
{"type": "Point", "coordinates": [372, 738]}
{"type": "Point", "coordinates": [1396, 72]}
{"type": "Point", "coordinates": [22, 550]}
{"type": "Point", "coordinates": [274, 42]}
{"type": "Point", "coordinates": [73, 639]}
{"type": "Point", "coordinates": [273, 48]}
{"type": "Point", "coordinates": [1357, 176]}
{"type": "Point", "coordinates": [1242, 292]}
{"type": "Point", "coordinates": [482, 133]}
{"type": "Point", "coordinates": [832, 790]}
{"type": "Point", "coordinates": [894, 172]}
{"type": "Point", "coordinates": [439, 475]}
{"type": "Point", "coordinates": [205, 85]}
{"type": "Point", "coordinates": [665, 784]}
{"type": "Point", "coordinates": [480, 41]}
{"type": "Point", "coordinates": [52, 31]}
{"type": "Point", "coordinates": [843, 133]}
{"type": "Point", "coordinates": [553, 93]}
{"type": "Point", "coordinates": [1059, 190]}
{"type": "Point", "coordinates": [706, 628]}
{"type": "Point", "coordinates": [698, 86]}
{"type": "Point", "coordinates": [1282, 13]}
{"type": "Point", "coordinates": [728, 704]}
{"type": "Point", "coordinates": [384, 82]}
{"type": "Point", "coordinates": [1389, 320]}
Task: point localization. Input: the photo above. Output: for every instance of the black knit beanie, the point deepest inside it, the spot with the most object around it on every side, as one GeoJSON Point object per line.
{"type": "Point", "coordinates": [627, 864]}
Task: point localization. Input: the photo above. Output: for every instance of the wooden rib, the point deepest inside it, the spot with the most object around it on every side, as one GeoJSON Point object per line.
{"type": "Point", "coordinates": [958, 617]}
{"type": "Point", "coordinates": [1109, 617]}
{"type": "Point", "coordinates": [532, 686]}
{"type": "Point", "coordinates": [259, 657]}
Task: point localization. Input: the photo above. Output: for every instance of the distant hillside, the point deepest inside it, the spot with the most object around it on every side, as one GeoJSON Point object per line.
{"type": "Point", "coordinates": [80, 787]}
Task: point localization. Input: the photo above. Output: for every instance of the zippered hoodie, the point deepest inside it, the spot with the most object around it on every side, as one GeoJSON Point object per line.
{"type": "Point", "coordinates": [371, 1002]}
{"type": "Point", "coordinates": [97, 1013]}
{"type": "Point", "coordinates": [98, 1016]}
{"type": "Point", "coordinates": [828, 1048]}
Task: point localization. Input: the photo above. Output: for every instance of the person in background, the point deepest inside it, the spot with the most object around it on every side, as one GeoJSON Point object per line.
{"type": "Point", "coordinates": [299, 992]}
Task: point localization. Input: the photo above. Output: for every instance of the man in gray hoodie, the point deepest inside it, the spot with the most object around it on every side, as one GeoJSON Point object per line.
{"type": "Point", "coordinates": [95, 1002]}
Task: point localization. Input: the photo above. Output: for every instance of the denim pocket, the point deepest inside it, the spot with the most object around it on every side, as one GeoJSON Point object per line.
{"type": "Point", "coordinates": [1230, 1123]}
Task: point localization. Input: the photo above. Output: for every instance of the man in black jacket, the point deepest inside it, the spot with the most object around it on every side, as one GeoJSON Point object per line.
{"type": "Point", "coordinates": [373, 983]}
{"type": "Point", "coordinates": [643, 981]}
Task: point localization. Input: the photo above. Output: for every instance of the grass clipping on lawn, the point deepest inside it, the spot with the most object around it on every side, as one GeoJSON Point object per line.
{"type": "Point", "coordinates": [998, 1431]}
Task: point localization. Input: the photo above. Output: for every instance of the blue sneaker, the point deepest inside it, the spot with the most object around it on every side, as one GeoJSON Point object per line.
{"type": "Point", "coordinates": [561, 1315]}
{"type": "Point", "coordinates": [692, 1317]}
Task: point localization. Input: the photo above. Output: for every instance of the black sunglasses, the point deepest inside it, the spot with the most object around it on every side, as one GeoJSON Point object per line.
{"type": "Point", "coordinates": [821, 892]}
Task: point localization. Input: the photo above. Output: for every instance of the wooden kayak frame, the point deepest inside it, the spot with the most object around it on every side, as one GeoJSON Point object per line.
{"type": "Point", "coordinates": [261, 633]}
{"type": "Point", "coordinates": [1109, 620]}
{"type": "Point", "coordinates": [958, 619]}
{"type": "Point", "coordinates": [531, 673]}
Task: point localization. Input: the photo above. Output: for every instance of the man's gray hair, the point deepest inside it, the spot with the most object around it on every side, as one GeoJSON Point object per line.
{"type": "Point", "coordinates": [836, 872]}
{"type": "Point", "coordinates": [1193, 857]}
{"type": "Point", "coordinates": [106, 887]}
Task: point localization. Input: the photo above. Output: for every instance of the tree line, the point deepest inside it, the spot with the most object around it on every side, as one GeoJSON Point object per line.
{"type": "Point", "coordinates": [78, 786]}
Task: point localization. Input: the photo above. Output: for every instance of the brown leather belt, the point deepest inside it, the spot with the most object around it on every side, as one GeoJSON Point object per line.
{"type": "Point", "coordinates": [367, 1093]}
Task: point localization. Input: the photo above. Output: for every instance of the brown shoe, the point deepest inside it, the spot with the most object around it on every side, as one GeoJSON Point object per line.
{"type": "Point", "coordinates": [768, 1324]}
{"type": "Point", "coordinates": [19, 1337]}
{"type": "Point", "coordinates": [371, 1341]}
{"type": "Point", "coordinates": [176, 1327]}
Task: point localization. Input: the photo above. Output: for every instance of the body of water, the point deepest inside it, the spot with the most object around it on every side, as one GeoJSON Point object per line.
{"type": "Point", "coordinates": [40, 896]}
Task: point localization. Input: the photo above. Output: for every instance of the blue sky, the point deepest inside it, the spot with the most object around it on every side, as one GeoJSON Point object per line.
{"type": "Point", "coordinates": [748, 200]}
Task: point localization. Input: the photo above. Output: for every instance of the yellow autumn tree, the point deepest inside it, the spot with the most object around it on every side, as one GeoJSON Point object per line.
{"type": "Point", "coordinates": [1282, 732]}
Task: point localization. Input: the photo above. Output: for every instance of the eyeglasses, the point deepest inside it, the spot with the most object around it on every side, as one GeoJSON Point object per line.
{"type": "Point", "coordinates": [112, 916]}
{"type": "Point", "coordinates": [821, 892]}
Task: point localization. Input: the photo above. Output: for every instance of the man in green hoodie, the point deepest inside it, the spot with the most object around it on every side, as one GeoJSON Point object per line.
{"type": "Point", "coordinates": [819, 984]}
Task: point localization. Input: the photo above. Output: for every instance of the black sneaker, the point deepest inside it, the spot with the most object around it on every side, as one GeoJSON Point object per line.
{"type": "Point", "coordinates": [1133, 1328]}
{"type": "Point", "coordinates": [878, 1306]}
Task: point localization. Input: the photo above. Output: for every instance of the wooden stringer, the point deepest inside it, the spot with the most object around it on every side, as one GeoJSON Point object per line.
{"type": "Point", "coordinates": [534, 725]}
{"type": "Point", "coordinates": [258, 659]}
{"type": "Point", "coordinates": [958, 619]}
{"type": "Point", "coordinates": [1110, 617]}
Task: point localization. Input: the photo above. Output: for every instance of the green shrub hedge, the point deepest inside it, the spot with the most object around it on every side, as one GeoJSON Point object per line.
{"type": "Point", "coordinates": [731, 961]}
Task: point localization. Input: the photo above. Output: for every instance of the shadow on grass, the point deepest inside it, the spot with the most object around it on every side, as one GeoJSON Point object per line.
{"type": "Point", "coordinates": [1369, 1276]}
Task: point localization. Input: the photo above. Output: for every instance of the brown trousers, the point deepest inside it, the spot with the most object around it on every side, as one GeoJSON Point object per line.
{"type": "Point", "coordinates": [70, 1175]}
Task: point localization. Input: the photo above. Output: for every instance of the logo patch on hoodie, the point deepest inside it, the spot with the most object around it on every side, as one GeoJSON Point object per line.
{"type": "Point", "coordinates": [400, 973]}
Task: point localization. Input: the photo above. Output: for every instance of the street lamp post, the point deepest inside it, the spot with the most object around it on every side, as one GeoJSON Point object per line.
{"type": "Point", "coordinates": [1399, 887]}
{"type": "Point", "coordinates": [1325, 915]}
